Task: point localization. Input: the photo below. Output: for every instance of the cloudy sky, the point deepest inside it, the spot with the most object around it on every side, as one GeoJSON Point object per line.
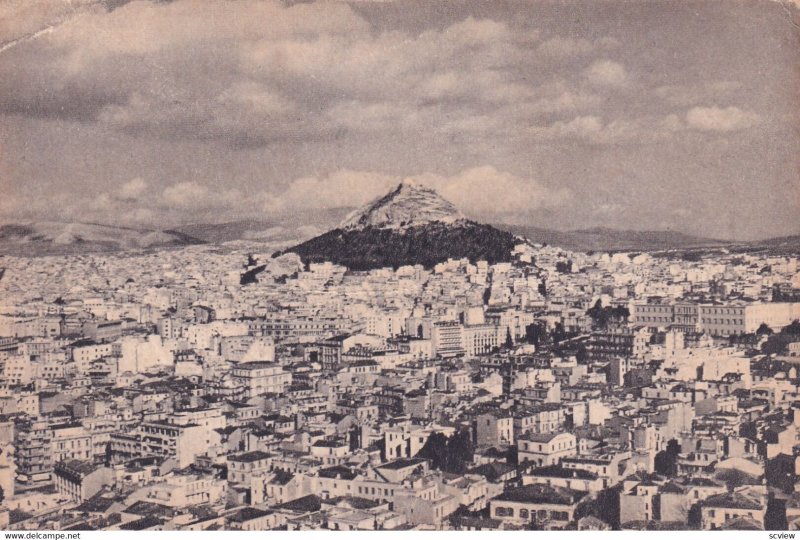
{"type": "Point", "coordinates": [569, 114]}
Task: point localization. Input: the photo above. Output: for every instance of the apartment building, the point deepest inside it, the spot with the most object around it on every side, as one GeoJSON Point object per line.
{"type": "Point", "coordinates": [258, 378]}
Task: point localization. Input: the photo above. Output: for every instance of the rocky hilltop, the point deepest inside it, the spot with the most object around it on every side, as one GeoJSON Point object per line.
{"type": "Point", "coordinates": [406, 206]}
{"type": "Point", "coordinates": [409, 225]}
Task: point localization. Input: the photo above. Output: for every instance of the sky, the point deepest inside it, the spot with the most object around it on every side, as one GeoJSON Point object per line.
{"type": "Point", "coordinates": [645, 115]}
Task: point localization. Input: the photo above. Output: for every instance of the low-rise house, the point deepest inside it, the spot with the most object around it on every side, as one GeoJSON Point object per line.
{"type": "Point", "coordinates": [330, 451]}
{"type": "Point", "coordinates": [556, 475]}
{"type": "Point", "coordinates": [253, 519]}
{"type": "Point", "coordinates": [719, 510]}
{"type": "Point", "coordinates": [546, 449]}
{"type": "Point", "coordinates": [496, 473]}
{"type": "Point", "coordinates": [612, 466]}
{"type": "Point", "coordinates": [80, 480]}
{"type": "Point", "coordinates": [472, 491]}
{"type": "Point", "coordinates": [242, 467]}
{"type": "Point", "coordinates": [536, 504]}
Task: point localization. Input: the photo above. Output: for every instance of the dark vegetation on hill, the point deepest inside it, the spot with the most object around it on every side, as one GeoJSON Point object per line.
{"type": "Point", "coordinates": [429, 244]}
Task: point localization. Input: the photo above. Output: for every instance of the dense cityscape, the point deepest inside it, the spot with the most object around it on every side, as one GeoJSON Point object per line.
{"type": "Point", "coordinates": [161, 390]}
{"type": "Point", "coordinates": [399, 265]}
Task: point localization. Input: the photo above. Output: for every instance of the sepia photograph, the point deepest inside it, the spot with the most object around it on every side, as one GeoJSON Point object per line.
{"type": "Point", "coordinates": [423, 266]}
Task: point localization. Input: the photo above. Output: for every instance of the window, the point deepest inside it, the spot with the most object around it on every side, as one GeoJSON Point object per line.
{"type": "Point", "coordinates": [502, 511]}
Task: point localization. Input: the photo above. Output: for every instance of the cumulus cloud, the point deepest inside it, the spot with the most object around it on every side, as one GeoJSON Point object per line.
{"type": "Point", "coordinates": [607, 73]}
{"type": "Point", "coordinates": [199, 71]}
{"type": "Point", "coordinates": [362, 116]}
{"type": "Point", "coordinates": [186, 195]}
{"type": "Point", "coordinates": [720, 119]}
{"type": "Point", "coordinates": [597, 130]}
{"type": "Point", "coordinates": [580, 126]}
{"type": "Point", "coordinates": [486, 190]}
{"type": "Point", "coordinates": [568, 46]}
{"type": "Point", "coordinates": [10, 203]}
{"type": "Point", "coordinates": [644, 129]}
{"type": "Point", "coordinates": [218, 106]}
{"type": "Point", "coordinates": [568, 100]}
{"type": "Point", "coordinates": [692, 94]}
{"type": "Point", "coordinates": [479, 191]}
{"type": "Point", "coordinates": [168, 69]}
{"type": "Point", "coordinates": [21, 20]}
{"type": "Point", "coordinates": [338, 190]}
{"type": "Point", "coordinates": [565, 46]}
{"type": "Point", "coordinates": [132, 189]}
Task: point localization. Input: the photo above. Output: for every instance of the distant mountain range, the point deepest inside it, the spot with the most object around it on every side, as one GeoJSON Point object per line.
{"type": "Point", "coordinates": [284, 227]}
{"type": "Point", "coordinates": [284, 231]}
{"type": "Point", "coordinates": [54, 238]}
{"type": "Point", "coordinates": [786, 242]}
{"type": "Point", "coordinates": [605, 239]}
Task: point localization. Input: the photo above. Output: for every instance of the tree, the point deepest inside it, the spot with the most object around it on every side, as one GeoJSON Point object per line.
{"type": "Point", "coordinates": [563, 267]}
{"type": "Point", "coordinates": [381, 444]}
{"type": "Point", "coordinates": [452, 454]}
{"type": "Point", "coordinates": [666, 461]}
{"type": "Point", "coordinates": [512, 455]}
{"type": "Point", "coordinates": [734, 478]}
{"type": "Point", "coordinates": [355, 438]}
{"type": "Point", "coordinates": [543, 288]}
{"type": "Point", "coordinates": [487, 294]}
{"type": "Point", "coordinates": [533, 334]}
{"type": "Point", "coordinates": [582, 354]}
{"type": "Point", "coordinates": [775, 516]}
{"type": "Point", "coordinates": [598, 315]}
{"type": "Point", "coordinates": [620, 313]}
{"type": "Point", "coordinates": [435, 449]}
{"type": "Point", "coordinates": [777, 343]}
{"type": "Point", "coordinates": [559, 334]}
{"type": "Point", "coordinates": [748, 430]}
{"type": "Point", "coordinates": [779, 473]}
{"type": "Point", "coordinates": [792, 329]}
{"type": "Point", "coordinates": [764, 330]}
{"type": "Point", "coordinates": [602, 316]}
{"type": "Point", "coordinates": [605, 506]}
{"type": "Point", "coordinates": [509, 340]}
{"type": "Point", "coordinates": [459, 451]}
